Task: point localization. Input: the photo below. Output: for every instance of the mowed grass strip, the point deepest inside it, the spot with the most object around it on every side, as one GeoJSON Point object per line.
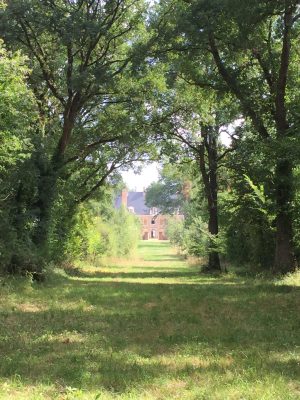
{"type": "Point", "coordinates": [149, 328]}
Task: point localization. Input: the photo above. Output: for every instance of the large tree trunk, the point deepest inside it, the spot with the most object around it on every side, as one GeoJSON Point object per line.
{"type": "Point", "coordinates": [209, 177]}
{"type": "Point", "coordinates": [213, 228]}
{"type": "Point", "coordinates": [47, 188]}
{"type": "Point", "coordinates": [284, 257]}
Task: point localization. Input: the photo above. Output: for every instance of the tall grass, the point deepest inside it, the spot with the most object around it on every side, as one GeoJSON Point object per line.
{"type": "Point", "coordinates": [151, 328]}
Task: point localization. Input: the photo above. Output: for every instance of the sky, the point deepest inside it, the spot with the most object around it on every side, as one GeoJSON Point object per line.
{"type": "Point", "coordinates": [139, 182]}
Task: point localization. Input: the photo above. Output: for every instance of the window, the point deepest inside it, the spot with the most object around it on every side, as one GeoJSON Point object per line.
{"type": "Point", "coordinates": [153, 211]}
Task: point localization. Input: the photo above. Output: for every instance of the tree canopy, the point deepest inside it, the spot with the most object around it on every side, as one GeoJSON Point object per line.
{"type": "Point", "coordinates": [106, 83]}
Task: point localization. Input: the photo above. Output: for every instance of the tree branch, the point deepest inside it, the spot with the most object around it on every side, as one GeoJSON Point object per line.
{"type": "Point", "coordinates": [266, 72]}
{"type": "Point", "coordinates": [91, 146]}
{"type": "Point", "coordinates": [45, 71]}
{"type": "Point", "coordinates": [228, 150]}
{"type": "Point", "coordinates": [234, 87]}
{"type": "Point", "coordinates": [281, 113]}
{"type": "Point", "coordinates": [97, 185]}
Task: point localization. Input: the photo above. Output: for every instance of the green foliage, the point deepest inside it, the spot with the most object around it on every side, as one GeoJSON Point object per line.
{"type": "Point", "coordinates": [175, 232]}
{"type": "Point", "coordinates": [296, 214]}
{"type": "Point", "coordinates": [126, 232]}
{"type": "Point", "coordinates": [165, 195]}
{"type": "Point", "coordinates": [91, 109]}
{"type": "Point", "coordinates": [93, 234]}
{"type": "Point", "coordinates": [193, 238]}
{"type": "Point", "coordinates": [196, 238]}
{"type": "Point", "coordinates": [246, 53]}
{"type": "Point", "coordinates": [17, 113]}
{"type": "Point", "coordinates": [104, 83]}
{"type": "Point", "coordinates": [248, 231]}
{"type": "Point", "coordinates": [19, 127]}
{"type": "Point", "coordinates": [258, 190]}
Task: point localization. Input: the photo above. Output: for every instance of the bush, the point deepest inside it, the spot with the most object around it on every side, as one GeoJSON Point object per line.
{"type": "Point", "coordinates": [126, 231]}
{"type": "Point", "coordinates": [92, 235]}
{"type": "Point", "coordinates": [175, 232]}
{"type": "Point", "coordinates": [249, 231]}
{"type": "Point", "coordinates": [191, 239]}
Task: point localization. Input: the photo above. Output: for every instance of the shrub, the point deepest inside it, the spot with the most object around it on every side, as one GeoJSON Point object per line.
{"type": "Point", "coordinates": [92, 235]}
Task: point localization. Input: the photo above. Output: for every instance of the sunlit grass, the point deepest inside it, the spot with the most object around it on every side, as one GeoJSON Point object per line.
{"type": "Point", "coordinates": [149, 328]}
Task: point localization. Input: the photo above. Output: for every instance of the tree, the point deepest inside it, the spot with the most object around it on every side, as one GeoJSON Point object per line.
{"type": "Point", "coordinates": [191, 133]}
{"type": "Point", "coordinates": [92, 119]}
{"type": "Point", "coordinates": [203, 147]}
{"type": "Point", "coordinates": [19, 129]}
{"type": "Point", "coordinates": [251, 51]}
{"type": "Point", "coordinates": [166, 195]}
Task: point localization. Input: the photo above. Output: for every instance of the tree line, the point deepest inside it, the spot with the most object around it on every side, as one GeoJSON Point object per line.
{"type": "Point", "coordinates": [89, 87]}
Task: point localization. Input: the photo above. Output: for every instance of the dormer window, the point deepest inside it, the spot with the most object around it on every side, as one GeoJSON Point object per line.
{"type": "Point", "coordinates": [131, 210]}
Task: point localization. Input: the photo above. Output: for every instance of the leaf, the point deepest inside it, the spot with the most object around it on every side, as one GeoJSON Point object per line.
{"type": "Point", "coordinates": [258, 190]}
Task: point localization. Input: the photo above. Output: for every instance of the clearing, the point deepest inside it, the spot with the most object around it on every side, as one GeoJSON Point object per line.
{"type": "Point", "coordinates": [149, 328]}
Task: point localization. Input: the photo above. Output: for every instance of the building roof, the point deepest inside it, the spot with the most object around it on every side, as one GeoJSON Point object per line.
{"type": "Point", "coordinates": [135, 200]}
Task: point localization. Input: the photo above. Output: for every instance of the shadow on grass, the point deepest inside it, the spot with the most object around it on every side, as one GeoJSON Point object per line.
{"type": "Point", "coordinates": [146, 244]}
{"type": "Point", "coordinates": [136, 275]}
{"type": "Point", "coordinates": [111, 334]}
{"type": "Point", "coordinates": [160, 259]}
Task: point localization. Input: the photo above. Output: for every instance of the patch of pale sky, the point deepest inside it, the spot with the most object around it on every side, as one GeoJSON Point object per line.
{"type": "Point", "coordinates": [138, 182]}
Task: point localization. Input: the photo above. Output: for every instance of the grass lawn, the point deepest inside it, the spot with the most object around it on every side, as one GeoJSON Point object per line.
{"type": "Point", "coordinates": [149, 328]}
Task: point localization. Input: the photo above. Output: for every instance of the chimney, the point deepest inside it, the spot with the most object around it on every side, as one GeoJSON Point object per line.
{"type": "Point", "coordinates": [124, 198]}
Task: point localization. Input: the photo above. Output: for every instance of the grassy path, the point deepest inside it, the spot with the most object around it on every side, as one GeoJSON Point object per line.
{"type": "Point", "coordinates": [149, 328]}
